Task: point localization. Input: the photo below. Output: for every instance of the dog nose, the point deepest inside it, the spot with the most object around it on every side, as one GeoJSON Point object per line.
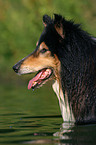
{"type": "Point", "coordinates": [16, 68]}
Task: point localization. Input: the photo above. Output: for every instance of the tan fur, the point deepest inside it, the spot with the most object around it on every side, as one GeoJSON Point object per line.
{"type": "Point", "coordinates": [43, 45]}
{"type": "Point", "coordinates": [57, 69]}
{"type": "Point", "coordinates": [60, 30]}
{"type": "Point", "coordinates": [38, 61]}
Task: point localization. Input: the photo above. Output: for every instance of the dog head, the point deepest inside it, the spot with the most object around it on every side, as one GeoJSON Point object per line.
{"type": "Point", "coordinates": [44, 60]}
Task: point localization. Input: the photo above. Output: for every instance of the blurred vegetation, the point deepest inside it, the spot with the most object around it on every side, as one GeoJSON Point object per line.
{"type": "Point", "coordinates": [21, 25]}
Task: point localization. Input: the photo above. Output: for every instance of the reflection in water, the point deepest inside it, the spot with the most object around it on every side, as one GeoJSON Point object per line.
{"type": "Point", "coordinates": [66, 128]}
{"type": "Point", "coordinates": [43, 130]}
{"type": "Point", "coordinates": [67, 135]}
{"type": "Point", "coordinates": [59, 136]}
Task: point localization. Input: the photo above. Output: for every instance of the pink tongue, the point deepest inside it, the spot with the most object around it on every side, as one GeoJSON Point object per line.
{"type": "Point", "coordinates": [34, 80]}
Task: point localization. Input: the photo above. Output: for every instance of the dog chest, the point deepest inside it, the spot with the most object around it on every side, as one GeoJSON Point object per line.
{"type": "Point", "coordinates": [66, 110]}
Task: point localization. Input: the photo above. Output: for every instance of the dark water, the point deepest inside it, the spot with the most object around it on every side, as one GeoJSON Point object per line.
{"type": "Point", "coordinates": [33, 117]}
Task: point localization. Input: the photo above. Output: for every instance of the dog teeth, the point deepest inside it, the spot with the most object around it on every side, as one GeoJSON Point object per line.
{"type": "Point", "coordinates": [48, 70]}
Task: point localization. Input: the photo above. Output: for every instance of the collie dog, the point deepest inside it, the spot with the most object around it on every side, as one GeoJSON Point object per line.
{"type": "Point", "coordinates": [66, 54]}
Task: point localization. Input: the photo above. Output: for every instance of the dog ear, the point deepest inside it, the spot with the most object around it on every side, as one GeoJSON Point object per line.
{"type": "Point", "coordinates": [58, 25]}
{"type": "Point", "coordinates": [46, 20]}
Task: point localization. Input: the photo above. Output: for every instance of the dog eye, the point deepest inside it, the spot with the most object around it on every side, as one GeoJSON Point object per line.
{"type": "Point", "coordinates": [43, 50]}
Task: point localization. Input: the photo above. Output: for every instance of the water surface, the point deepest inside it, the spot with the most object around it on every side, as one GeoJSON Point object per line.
{"type": "Point", "coordinates": [33, 117]}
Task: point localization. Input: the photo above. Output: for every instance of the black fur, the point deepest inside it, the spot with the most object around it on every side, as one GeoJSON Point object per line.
{"type": "Point", "coordinates": [77, 54]}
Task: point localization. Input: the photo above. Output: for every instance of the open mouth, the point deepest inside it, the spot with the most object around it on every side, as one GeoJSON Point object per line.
{"type": "Point", "coordinates": [40, 78]}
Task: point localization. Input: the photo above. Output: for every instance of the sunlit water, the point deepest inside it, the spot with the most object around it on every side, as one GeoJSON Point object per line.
{"type": "Point", "coordinates": [33, 117]}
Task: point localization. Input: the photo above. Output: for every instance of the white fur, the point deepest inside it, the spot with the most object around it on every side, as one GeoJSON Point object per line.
{"type": "Point", "coordinates": [66, 110]}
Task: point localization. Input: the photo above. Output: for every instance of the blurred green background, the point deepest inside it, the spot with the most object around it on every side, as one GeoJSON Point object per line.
{"type": "Point", "coordinates": [21, 25]}
{"type": "Point", "coordinates": [20, 28]}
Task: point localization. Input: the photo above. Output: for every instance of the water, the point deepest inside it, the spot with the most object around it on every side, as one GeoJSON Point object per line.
{"type": "Point", "coordinates": [33, 117]}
